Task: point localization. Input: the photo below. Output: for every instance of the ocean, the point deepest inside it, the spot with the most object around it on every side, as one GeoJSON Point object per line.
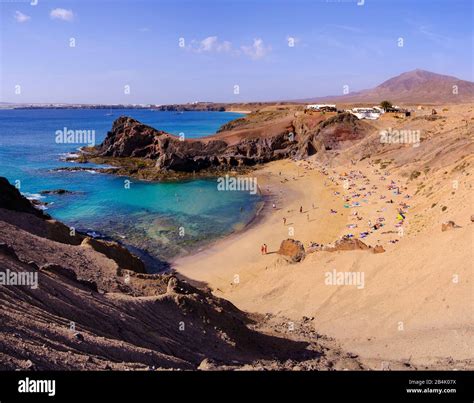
{"type": "Point", "coordinates": [157, 220]}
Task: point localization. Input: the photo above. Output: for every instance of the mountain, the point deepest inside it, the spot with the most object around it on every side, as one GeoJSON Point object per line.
{"type": "Point", "coordinates": [417, 86]}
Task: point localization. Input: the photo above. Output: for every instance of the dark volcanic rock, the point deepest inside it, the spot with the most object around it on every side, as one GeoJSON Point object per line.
{"type": "Point", "coordinates": [258, 139]}
{"type": "Point", "coordinates": [12, 199]}
{"type": "Point", "coordinates": [330, 134]}
{"type": "Point", "coordinates": [56, 192]}
{"type": "Point", "coordinates": [130, 138]}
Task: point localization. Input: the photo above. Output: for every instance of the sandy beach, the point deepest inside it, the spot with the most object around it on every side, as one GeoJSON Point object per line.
{"type": "Point", "coordinates": [411, 309]}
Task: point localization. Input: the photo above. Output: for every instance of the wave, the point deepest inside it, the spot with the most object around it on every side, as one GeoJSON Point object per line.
{"type": "Point", "coordinates": [32, 196]}
{"type": "Point", "coordinates": [65, 156]}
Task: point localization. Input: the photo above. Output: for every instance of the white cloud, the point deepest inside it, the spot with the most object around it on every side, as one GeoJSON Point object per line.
{"type": "Point", "coordinates": [212, 44]}
{"type": "Point", "coordinates": [257, 50]}
{"type": "Point", "coordinates": [20, 17]}
{"type": "Point", "coordinates": [61, 14]}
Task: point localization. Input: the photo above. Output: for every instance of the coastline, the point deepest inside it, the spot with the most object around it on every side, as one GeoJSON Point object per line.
{"type": "Point", "coordinates": [285, 191]}
{"type": "Point", "coordinates": [234, 269]}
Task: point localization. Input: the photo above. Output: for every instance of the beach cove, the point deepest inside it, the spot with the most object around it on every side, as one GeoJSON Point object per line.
{"type": "Point", "coordinates": [157, 220]}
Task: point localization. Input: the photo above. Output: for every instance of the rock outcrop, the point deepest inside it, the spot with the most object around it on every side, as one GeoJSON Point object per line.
{"type": "Point", "coordinates": [244, 142]}
{"type": "Point", "coordinates": [132, 139]}
{"type": "Point", "coordinates": [116, 252]}
{"type": "Point", "coordinates": [12, 199]}
{"type": "Point", "coordinates": [292, 250]}
{"type": "Point", "coordinates": [449, 225]}
{"type": "Point", "coordinates": [346, 244]}
{"type": "Point", "coordinates": [328, 134]}
{"type": "Point", "coordinates": [12, 203]}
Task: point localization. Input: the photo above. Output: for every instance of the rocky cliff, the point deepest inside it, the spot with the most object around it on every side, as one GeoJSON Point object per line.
{"type": "Point", "coordinates": [245, 142]}
{"type": "Point", "coordinates": [130, 138]}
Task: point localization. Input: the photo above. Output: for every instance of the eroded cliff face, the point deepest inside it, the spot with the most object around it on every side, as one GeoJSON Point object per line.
{"type": "Point", "coordinates": [244, 145]}
{"type": "Point", "coordinates": [130, 138]}
{"type": "Point", "coordinates": [317, 133]}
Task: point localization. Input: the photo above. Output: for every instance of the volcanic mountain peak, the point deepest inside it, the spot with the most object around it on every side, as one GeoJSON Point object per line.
{"type": "Point", "coordinates": [419, 86]}
{"type": "Point", "coordinates": [414, 78]}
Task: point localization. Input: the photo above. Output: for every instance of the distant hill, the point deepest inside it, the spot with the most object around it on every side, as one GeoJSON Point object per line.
{"type": "Point", "coordinates": [417, 86]}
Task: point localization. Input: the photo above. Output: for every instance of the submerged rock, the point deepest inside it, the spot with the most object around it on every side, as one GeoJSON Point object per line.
{"type": "Point", "coordinates": [56, 192]}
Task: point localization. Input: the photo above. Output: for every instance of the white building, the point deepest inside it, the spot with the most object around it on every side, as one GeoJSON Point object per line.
{"type": "Point", "coordinates": [322, 107]}
{"type": "Point", "coordinates": [367, 113]}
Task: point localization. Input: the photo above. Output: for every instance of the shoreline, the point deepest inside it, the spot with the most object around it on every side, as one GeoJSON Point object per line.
{"type": "Point", "coordinates": [284, 192]}
{"type": "Point", "coordinates": [258, 216]}
{"type": "Point", "coordinates": [234, 269]}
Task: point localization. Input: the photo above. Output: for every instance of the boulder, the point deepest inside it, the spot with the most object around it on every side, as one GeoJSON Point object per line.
{"type": "Point", "coordinates": [449, 225]}
{"type": "Point", "coordinates": [378, 249]}
{"type": "Point", "coordinates": [292, 250]}
{"type": "Point", "coordinates": [347, 244]}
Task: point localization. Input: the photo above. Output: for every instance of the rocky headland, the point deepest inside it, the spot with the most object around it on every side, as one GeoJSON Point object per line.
{"type": "Point", "coordinates": [141, 151]}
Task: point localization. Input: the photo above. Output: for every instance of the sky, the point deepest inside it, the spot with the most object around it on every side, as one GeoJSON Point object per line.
{"type": "Point", "coordinates": [176, 51]}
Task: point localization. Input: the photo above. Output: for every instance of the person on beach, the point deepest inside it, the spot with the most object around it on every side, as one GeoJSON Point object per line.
{"type": "Point", "coordinates": [274, 205]}
{"type": "Point", "coordinates": [301, 209]}
{"type": "Point", "coordinates": [284, 221]}
{"type": "Point", "coordinates": [262, 249]}
{"type": "Point", "coordinates": [265, 248]}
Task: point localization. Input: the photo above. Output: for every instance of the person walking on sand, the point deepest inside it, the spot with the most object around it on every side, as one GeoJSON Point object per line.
{"type": "Point", "coordinates": [284, 221]}
{"type": "Point", "coordinates": [262, 249]}
{"type": "Point", "coordinates": [265, 248]}
{"type": "Point", "coordinates": [301, 209]}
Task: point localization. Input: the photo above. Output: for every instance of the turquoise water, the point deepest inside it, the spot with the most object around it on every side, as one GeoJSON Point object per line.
{"type": "Point", "coordinates": [162, 220]}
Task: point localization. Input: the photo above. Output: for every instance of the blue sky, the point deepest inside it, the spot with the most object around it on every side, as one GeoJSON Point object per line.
{"type": "Point", "coordinates": [121, 43]}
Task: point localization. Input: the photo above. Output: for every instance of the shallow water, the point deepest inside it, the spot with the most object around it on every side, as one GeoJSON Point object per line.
{"type": "Point", "coordinates": [163, 219]}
